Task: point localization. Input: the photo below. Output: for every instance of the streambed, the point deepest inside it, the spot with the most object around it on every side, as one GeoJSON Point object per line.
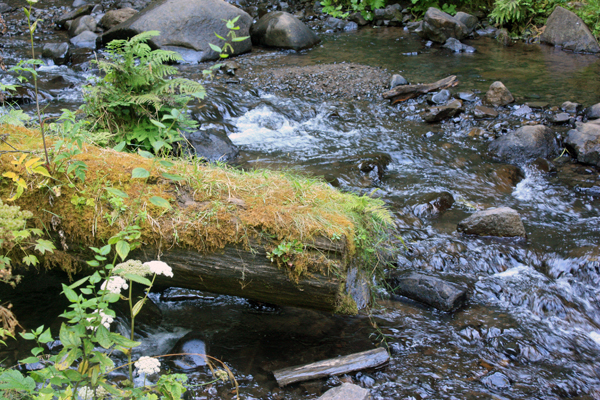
{"type": "Point", "coordinates": [532, 327]}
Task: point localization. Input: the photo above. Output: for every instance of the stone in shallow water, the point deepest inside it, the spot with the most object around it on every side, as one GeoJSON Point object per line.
{"type": "Point", "coordinates": [564, 28]}
{"type": "Point", "coordinates": [525, 144]}
{"type": "Point", "coordinates": [501, 222]}
{"type": "Point", "coordinates": [498, 95]}
{"type": "Point", "coordinates": [456, 46]}
{"type": "Point", "coordinates": [484, 112]}
{"type": "Point", "coordinates": [398, 80]}
{"type": "Point", "coordinates": [584, 141]}
{"type": "Point", "coordinates": [195, 348]}
{"type": "Point", "coordinates": [496, 381]}
{"type": "Point", "coordinates": [85, 39]}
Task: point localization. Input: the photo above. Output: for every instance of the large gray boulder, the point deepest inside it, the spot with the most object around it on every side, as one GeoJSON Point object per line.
{"type": "Point", "coordinates": [82, 24]}
{"type": "Point", "coordinates": [211, 145]}
{"type": "Point", "coordinates": [116, 17]}
{"type": "Point", "coordinates": [501, 222]}
{"type": "Point", "coordinates": [439, 26]}
{"type": "Point", "coordinates": [525, 144]}
{"type": "Point", "coordinates": [593, 112]}
{"type": "Point", "coordinates": [186, 26]}
{"type": "Point", "coordinates": [283, 30]}
{"type": "Point", "coordinates": [469, 20]}
{"type": "Point", "coordinates": [566, 29]}
{"type": "Point", "coordinates": [585, 142]}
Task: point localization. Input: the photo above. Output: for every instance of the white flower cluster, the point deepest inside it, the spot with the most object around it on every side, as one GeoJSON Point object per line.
{"type": "Point", "coordinates": [134, 267]}
{"type": "Point", "coordinates": [159, 268]}
{"type": "Point", "coordinates": [87, 393]}
{"type": "Point", "coordinates": [147, 365]}
{"type": "Point", "coordinates": [114, 284]}
{"type": "Point", "coordinates": [106, 320]}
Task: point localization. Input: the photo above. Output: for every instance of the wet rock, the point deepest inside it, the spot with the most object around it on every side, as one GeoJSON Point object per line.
{"type": "Point", "coordinates": [477, 132]}
{"type": "Point", "coordinates": [593, 112]}
{"type": "Point", "coordinates": [5, 8]}
{"type": "Point", "coordinates": [416, 27]}
{"type": "Point", "coordinates": [393, 12]}
{"type": "Point", "coordinates": [496, 381]}
{"type": "Point", "coordinates": [524, 144]}
{"type": "Point", "coordinates": [543, 165]}
{"type": "Point", "coordinates": [508, 176]}
{"type": "Point", "coordinates": [57, 52]}
{"type": "Point", "coordinates": [358, 19]}
{"type": "Point", "coordinates": [501, 222]}
{"type": "Point", "coordinates": [439, 26]}
{"type": "Point", "coordinates": [23, 94]}
{"type": "Point", "coordinates": [470, 21]}
{"type": "Point", "coordinates": [435, 206]}
{"type": "Point", "coordinates": [340, 24]}
{"type": "Point", "coordinates": [195, 346]}
{"type": "Point", "coordinates": [456, 46]}
{"type": "Point", "coordinates": [79, 3]}
{"type": "Point", "coordinates": [375, 165]}
{"type": "Point", "coordinates": [443, 295]}
{"type": "Point", "coordinates": [498, 95]}
{"type": "Point", "coordinates": [564, 28]}
{"type": "Point", "coordinates": [135, 4]}
{"type": "Point", "coordinates": [82, 24]}
{"type": "Point", "coordinates": [398, 80]}
{"type": "Point", "coordinates": [561, 118]}
{"type": "Point", "coordinates": [186, 26]}
{"type": "Point", "coordinates": [71, 15]}
{"type": "Point", "coordinates": [489, 31]}
{"type": "Point", "coordinates": [522, 111]}
{"type": "Point", "coordinates": [537, 104]}
{"type": "Point", "coordinates": [85, 39]}
{"type": "Point", "coordinates": [437, 114]}
{"type": "Point", "coordinates": [116, 17]}
{"type": "Point", "coordinates": [441, 97]}
{"type": "Point", "coordinates": [584, 141]}
{"type": "Point", "coordinates": [481, 112]}
{"type": "Point", "coordinates": [467, 96]}
{"type": "Point", "coordinates": [283, 30]}
{"type": "Point", "coordinates": [346, 391]}
{"type": "Point", "coordinates": [504, 38]}
{"type": "Point", "coordinates": [212, 146]}
{"type": "Point", "coordinates": [570, 107]}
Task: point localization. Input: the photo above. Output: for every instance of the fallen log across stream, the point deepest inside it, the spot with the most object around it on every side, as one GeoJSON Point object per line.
{"type": "Point", "coordinates": [405, 92]}
{"type": "Point", "coordinates": [268, 236]}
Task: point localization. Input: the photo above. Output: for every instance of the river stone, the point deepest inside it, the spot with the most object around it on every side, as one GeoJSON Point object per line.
{"type": "Point", "coordinates": [282, 30]}
{"type": "Point", "coordinates": [82, 24]}
{"type": "Point", "coordinates": [496, 381]}
{"type": "Point", "coordinates": [571, 107]}
{"type": "Point", "coordinates": [398, 80]}
{"type": "Point", "coordinates": [116, 17]}
{"type": "Point", "coordinates": [566, 29]}
{"type": "Point", "coordinates": [439, 26]}
{"type": "Point", "coordinates": [346, 391]}
{"type": "Point", "coordinates": [135, 4]}
{"type": "Point", "coordinates": [441, 97]}
{"type": "Point", "coordinates": [5, 8]}
{"type": "Point", "coordinates": [484, 112]}
{"type": "Point", "coordinates": [195, 347]}
{"type": "Point", "coordinates": [467, 96]}
{"type": "Point", "coordinates": [525, 144]}
{"type": "Point", "coordinates": [561, 118]}
{"type": "Point", "coordinates": [71, 15]}
{"type": "Point", "coordinates": [498, 95]}
{"type": "Point", "coordinates": [437, 114]}
{"type": "Point", "coordinates": [85, 39]}
{"type": "Point", "coordinates": [436, 204]}
{"type": "Point", "coordinates": [456, 46]}
{"type": "Point", "coordinates": [186, 26]}
{"type": "Point", "coordinates": [212, 146]}
{"type": "Point", "coordinates": [469, 20]}
{"type": "Point", "coordinates": [593, 112]}
{"type": "Point", "coordinates": [501, 222]}
{"type": "Point", "coordinates": [57, 52]}
{"type": "Point", "coordinates": [443, 295]}
{"type": "Point", "coordinates": [585, 142]}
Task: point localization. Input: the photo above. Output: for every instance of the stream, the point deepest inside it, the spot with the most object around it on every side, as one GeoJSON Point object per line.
{"type": "Point", "coordinates": [532, 327]}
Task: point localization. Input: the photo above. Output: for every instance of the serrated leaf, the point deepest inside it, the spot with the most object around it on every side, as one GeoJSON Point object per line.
{"type": "Point", "coordinates": [122, 249]}
{"type": "Point", "coordinates": [117, 192]}
{"type": "Point", "coordinates": [13, 379]}
{"type": "Point", "coordinates": [103, 337]}
{"type": "Point", "coordinates": [44, 246]}
{"type": "Point", "coordinates": [160, 202]}
{"type": "Point", "coordinates": [140, 172]}
{"type": "Point", "coordinates": [30, 260]}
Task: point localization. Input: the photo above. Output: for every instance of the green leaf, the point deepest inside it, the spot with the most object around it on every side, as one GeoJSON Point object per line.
{"type": "Point", "coordinates": [172, 177]}
{"type": "Point", "coordinates": [158, 124]}
{"type": "Point", "coordinates": [157, 145]}
{"type": "Point", "coordinates": [103, 337]}
{"type": "Point", "coordinates": [44, 246]}
{"type": "Point", "coordinates": [30, 260]}
{"type": "Point", "coordinates": [70, 293]}
{"type": "Point", "coordinates": [30, 360]}
{"type": "Point", "coordinates": [145, 154]}
{"type": "Point", "coordinates": [122, 249]}
{"type": "Point", "coordinates": [78, 283]}
{"type": "Point", "coordinates": [166, 164]}
{"type": "Point", "coordinates": [46, 337]}
{"type": "Point", "coordinates": [240, 38]}
{"type": "Point", "coordinates": [138, 279]}
{"type": "Point", "coordinates": [123, 341]}
{"type": "Point", "coordinates": [66, 358]}
{"type": "Point", "coordinates": [68, 337]}
{"type": "Point", "coordinates": [28, 336]}
{"type": "Point", "coordinates": [14, 380]}
{"type": "Point", "coordinates": [117, 192]}
{"type": "Point", "coordinates": [215, 47]}
{"type": "Point", "coordinates": [140, 173]}
{"type": "Point", "coordinates": [160, 202]}
{"type": "Point", "coordinates": [120, 146]}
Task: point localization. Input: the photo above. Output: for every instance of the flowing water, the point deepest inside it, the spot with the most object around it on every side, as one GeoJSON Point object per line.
{"type": "Point", "coordinates": [532, 327]}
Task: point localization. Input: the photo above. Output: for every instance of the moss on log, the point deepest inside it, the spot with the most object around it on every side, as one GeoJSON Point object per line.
{"type": "Point", "coordinates": [215, 226]}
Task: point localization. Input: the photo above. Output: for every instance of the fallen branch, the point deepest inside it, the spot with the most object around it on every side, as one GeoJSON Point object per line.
{"type": "Point", "coordinates": [405, 92]}
{"type": "Point", "coordinates": [334, 366]}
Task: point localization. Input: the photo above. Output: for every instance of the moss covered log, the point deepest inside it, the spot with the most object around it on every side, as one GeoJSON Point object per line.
{"type": "Point", "coordinates": [269, 236]}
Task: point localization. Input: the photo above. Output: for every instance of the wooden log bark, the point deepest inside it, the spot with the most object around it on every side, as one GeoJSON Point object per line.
{"type": "Point", "coordinates": [238, 271]}
{"type": "Point", "coordinates": [334, 366]}
{"type": "Point", "coordinates": [405, 92]}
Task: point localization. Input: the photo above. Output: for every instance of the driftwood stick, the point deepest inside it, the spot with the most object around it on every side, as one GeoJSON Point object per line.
{"type": "Point", "coordinates": [334, 366]}
{"type": "Point", "coordinates": [405, 92]}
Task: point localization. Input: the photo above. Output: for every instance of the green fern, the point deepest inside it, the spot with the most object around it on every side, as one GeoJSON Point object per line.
{"type": "Point", "coordinates": [136, 90]}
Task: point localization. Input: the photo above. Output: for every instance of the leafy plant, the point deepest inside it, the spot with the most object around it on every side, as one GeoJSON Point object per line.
{"type": "Point", "coordinates": [342, 8]}
{"type": "Point", "coordinates": [590, 14]}
{"type": "Point", "coordinates": [137, 100]}
{"type": "Point", "coordinates": [285, 251]}
{"type": "Point", "coordinates": [227, 48]}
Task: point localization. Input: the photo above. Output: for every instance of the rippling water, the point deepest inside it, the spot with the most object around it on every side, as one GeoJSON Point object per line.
{"type": "Point", "coordinates": [532, 327]}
